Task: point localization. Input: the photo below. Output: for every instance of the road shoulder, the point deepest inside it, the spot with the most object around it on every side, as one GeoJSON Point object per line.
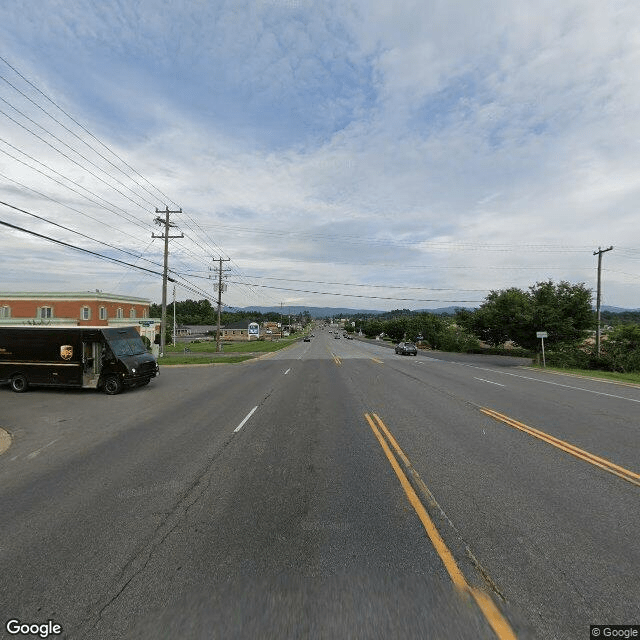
{"type": "Point", "coordinates": [5, 440]}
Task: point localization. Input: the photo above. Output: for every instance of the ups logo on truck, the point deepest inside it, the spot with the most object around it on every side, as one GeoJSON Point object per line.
{"type": "Point", "coordinates": [66, 351]}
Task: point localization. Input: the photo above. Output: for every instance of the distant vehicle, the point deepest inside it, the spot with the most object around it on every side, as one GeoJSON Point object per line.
{"type": "Point", "coordinates": [349, 337]}
{"type": "Point", "coordinates": [306, 339]}
{"type": "Point", "coordinates": [108, 358]}
{"type": "Point", "coordinates": [407, 349]}
{"type": "Point", "coordinates": [336, 337]}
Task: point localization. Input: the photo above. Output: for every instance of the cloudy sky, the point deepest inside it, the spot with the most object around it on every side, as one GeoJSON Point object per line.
{"type": "Point", "coordinates": [367, 154]}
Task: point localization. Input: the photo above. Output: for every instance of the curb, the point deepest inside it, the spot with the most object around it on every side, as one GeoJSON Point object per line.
{"type": "Point", "coordinates": [5, 440]}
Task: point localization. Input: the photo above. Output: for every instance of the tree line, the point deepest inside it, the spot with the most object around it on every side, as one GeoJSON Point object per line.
{"type": "Point", "coordinates": [512, 317]}
{"type": "Point", "coordinates": [202, 312]}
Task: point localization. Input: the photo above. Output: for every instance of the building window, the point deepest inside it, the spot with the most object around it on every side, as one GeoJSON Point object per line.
{"type": "Point", "coordinates": [132, 313]}
{"type": "Point", "coordinates": [5, 312]}
{"type": "Point", "coordinates": [120, 313]}
{"type": "Point", "coordinates": [103, 313]}
{"type": "Point", "coordinates": [85, 313]}
{"type": "Point", "coordinates": [46, 312]}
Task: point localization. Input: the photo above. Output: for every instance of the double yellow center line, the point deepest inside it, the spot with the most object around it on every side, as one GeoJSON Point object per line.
{"type": "Point", "coordinates": [492, 614]}
{"type": "Point", "coordinates": [607, 465]}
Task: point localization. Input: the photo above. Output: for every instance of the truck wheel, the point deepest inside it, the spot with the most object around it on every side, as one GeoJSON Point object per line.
{"type": "Point", "coordinates": [19, 383]}
{"type": "Point", "coordinates": [112, 385]}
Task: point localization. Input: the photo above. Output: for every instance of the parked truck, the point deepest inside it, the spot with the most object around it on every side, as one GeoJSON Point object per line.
{"type": "Point", "coordinates": [107, 358]}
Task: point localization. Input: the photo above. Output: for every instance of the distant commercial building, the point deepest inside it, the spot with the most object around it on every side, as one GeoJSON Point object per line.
{"type": "Point", "coordinates": [96, 309]}
{"type": "Point", "coordinates": [244, 330]}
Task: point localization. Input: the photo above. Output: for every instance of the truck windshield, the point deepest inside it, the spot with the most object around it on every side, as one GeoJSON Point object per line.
{"type": "Point", "coordinates": [127, 347]}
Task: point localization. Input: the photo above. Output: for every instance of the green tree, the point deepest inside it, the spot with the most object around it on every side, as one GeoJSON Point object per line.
{"type": "Point", "coordinates": [505, 315]}
{"type": "Point", "coordinates": [621, 349]}
{"type": "Point", "coordinates": [562, 310]}
{"type": "Point", "coordinates": [371, 328]}
{"type": "Point", "coordinates": [396, 328]}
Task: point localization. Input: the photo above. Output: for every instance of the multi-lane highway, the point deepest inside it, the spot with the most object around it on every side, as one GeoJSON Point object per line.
{"type": "Point", "coordinates": [333, 489]}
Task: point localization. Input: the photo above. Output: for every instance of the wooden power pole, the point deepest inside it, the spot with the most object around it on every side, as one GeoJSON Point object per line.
{"type": "Point", "coordinates": [599, 253]}
{"type": "Point", "coordinates": [165, 236]}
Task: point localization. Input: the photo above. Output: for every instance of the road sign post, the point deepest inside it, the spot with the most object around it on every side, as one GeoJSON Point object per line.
{"type": "Point", "coordinates": [542, 335]}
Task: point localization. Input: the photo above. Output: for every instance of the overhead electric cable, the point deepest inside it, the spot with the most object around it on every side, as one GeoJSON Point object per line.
{"type": "Point", "coordinates": [71, 246]}
{"type": "Point", "coordinates": [93, 164]}
{"type": "Point", "coordinates": [360, 239]}
{"type": "Point", "coordinates": [55, 224]}
{"type": "Point", "coordinates": [64, 155]}
{"type": "Point", "coordinates": [130, 217]}
{"type": "Point", "coordinates": [55, 104]}
{"type": "Point", "coordinates": [73, 133]}
{"type": "Point", "coordinates": [354, 295]}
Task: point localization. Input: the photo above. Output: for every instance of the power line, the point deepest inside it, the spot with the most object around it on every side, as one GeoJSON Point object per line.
{"type": "Point", "coordinates": [360, 239]}
{"type": "Point", "coordinates": [62, 142]}
{"type": "Point", "coordinates": [55, 104]}
{"type": "Point", "coordinates": [64, 155]}
{"type": "Point", "coordinates": [354, 295]}
{"type": "Point", "coordinates": [130, 219]}
{"type": "Point", "coordinates": [84, 235]}
{"type": "Point", "coordinates": [353, 284]}
{"type": "Point", "coordinates": [72, 246]}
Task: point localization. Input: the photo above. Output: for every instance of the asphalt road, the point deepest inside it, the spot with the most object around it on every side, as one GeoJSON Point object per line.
{"type": "Point", "coordinates": [330, 490]}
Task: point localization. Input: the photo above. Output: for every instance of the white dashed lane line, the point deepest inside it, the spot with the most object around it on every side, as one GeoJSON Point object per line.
{"type": "Point", "coordinates": [245, 419]}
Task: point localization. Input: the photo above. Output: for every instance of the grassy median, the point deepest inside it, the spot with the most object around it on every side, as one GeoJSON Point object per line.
{"type": "Point", "coordinates": [171, 360]}
{"type": "Point", "coordinates": [255, 346]}
{"type": "Point", "coordinates": [205, 352]}
{"type": "Point", "coordinates": [614, 376]}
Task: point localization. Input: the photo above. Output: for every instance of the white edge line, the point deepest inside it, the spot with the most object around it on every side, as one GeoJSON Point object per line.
{"type": "Point", "coordinates": [245, 419]}
{"type": "Point", "coordinates": [489, 381]}
{"type": "Point", "coordinates": [555, 384]}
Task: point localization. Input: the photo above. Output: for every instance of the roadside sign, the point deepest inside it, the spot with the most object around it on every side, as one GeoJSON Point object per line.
{"type": "Point", "coordinates": [254, 329]}
{"type": "Point", "coordinates": [542, 335]}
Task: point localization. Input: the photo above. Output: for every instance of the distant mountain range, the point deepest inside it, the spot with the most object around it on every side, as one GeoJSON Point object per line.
{"type": "Point", "coordinates": [345, 312]}
{"type": "Point", "coordinates": [335, 312]}
{"type": "Point", "coordinates": [616, 309]}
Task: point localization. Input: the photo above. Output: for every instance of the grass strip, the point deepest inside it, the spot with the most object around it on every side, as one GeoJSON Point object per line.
{"type": "Point", "coordinates": [168, 361]}
{"type": "Point", "coordinates": [254, 346]}
{"type": "Point", "coordinates": [593, 373]}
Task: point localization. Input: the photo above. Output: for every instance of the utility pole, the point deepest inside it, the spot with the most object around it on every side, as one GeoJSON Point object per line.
{"type": "Point", "coordinates": [220, 288]}
{"type": "Point", "coordinates": [167, 225]}
{"type": "Point", "coordinates": [599, 253]}
{"type": "Point", "coordinates": [174, 315]}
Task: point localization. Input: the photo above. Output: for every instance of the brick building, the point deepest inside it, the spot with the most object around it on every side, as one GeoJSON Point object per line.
{"type": "Point", "coordinates": [96, 309]}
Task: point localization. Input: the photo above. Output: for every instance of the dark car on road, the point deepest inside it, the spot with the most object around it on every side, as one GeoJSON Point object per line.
{"type": "Point", "coordinates": [407, 349]}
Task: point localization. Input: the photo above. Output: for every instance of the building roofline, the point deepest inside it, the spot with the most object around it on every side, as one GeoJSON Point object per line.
{"type": "Point", "coordinates": [70, 295]}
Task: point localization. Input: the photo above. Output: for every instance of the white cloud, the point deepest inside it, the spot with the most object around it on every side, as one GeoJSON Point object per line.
{"type": "Point", "coordinates": [347, 130]}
